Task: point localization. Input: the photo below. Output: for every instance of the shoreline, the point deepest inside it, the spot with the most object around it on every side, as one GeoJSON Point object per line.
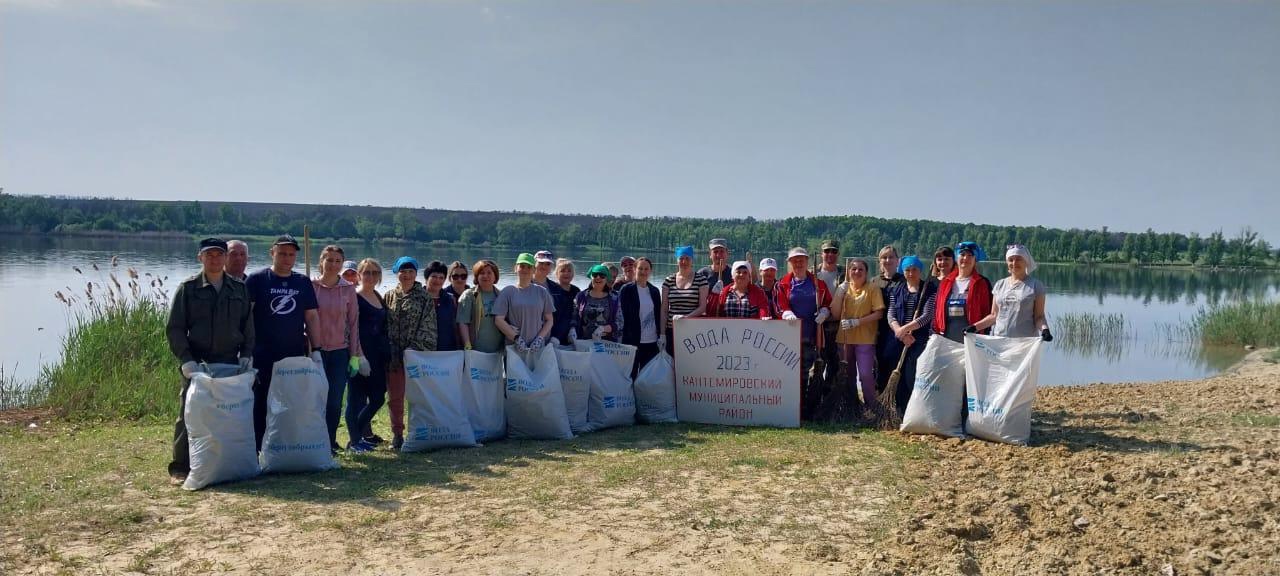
{"type": "Point", "coordinates": [1125, 478]}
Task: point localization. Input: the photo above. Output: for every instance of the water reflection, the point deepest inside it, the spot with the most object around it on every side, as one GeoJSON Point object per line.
{"type": "Point", "coordinates": [1151, 301]}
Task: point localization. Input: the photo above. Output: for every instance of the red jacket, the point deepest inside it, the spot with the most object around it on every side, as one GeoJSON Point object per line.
{"type": "Point", "coordinates": [755, 296]}
{"type": "Point", "coordinates": [977, 303]}
{"type": "Point", "coordinates": [784, 293]}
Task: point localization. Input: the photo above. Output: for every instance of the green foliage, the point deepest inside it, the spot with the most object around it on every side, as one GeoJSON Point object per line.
{"type": "Point", "coordinates": [859, 235]}
{"type": "Point", "coordinates": [115, 361]}
{"type": "Point", "coordinates": [1247, 322]}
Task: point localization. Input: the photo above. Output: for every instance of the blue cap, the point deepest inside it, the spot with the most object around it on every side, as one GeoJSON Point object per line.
{"type": "Point", "coordinates": [403, 261]}
{"type": "Point", "coordinates": [972, 248]}
{"type": "Point", "coordinates": [908, 262]}
{"type": "Point", "coordinates": [684, 251]}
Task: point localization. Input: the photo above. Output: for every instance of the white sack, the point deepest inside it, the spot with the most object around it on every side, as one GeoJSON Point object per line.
{"type": "Point", "coordinates": [575, 380]}
{"type": "Point", "coordinates": [484, 395]}
{"type": "Point", "coordinates": [623, 354]}
{"type": "Point", "coordinates": [535, 401]}
{"type": "Point", "coordinates": [1002, 375]}
{"type": "Point", "coordinates": [937, 400]}
{"type": "Point", "coordinates": [296, 438]}
{"type": "Point", "coordinates": [612, 402]}
{"type": "Point", "coordinates": [434, 385]}
{"type": "Point", "coordinates": [655, 390]}
{"type": "Point", "coordinates": [219, 418]}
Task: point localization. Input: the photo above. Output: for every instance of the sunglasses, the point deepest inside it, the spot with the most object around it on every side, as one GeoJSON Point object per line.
{"type": "Point", "coordinates": [459, 276]}
{"type": "Point", "coordinates": [601, 276]}
{"type": "Point", "coordinates": [831, 251]}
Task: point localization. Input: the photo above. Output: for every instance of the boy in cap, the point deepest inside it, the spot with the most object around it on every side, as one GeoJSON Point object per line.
{"type": "Point", "coordinates": [210, 322]}
{"type": "Point", "coordinates": [769, 284]}
{"type": "Point", "coordinates": [832, 273]}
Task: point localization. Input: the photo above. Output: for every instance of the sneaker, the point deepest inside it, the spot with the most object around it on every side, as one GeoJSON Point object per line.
{"type": "Point", "coordinates": [359, 447]}
{"type": "Point", "coordinates": [397, 442]}
{"type": "Point", "coordinates": [373, 440]}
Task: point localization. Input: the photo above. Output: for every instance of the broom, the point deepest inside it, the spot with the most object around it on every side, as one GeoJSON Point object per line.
{"type": "Point", "coordinates": [891, 420]}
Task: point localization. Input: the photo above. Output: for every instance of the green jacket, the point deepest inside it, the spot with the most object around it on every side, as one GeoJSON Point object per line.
{"type": "Point", "coordinates": [208, 325]}
{"type": "Point", "coordinates": [411, 321]}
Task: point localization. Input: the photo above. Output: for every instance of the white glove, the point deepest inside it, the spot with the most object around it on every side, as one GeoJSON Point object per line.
{"type": "Point", "coordinates": [537, 344]}
{"type": "Point", "coordinates": [598, 333]}
{"type": "Point", "coordinates": [317, 358]}
{"type": "Point", "coordinates": [662, 342]}
{"type": "Point", "coordinates": [365, 368]}
{"type": "Point", "coordinates": [849, 323]}
{"type": "Point", "coordinates": [246, 364]}
{"type": "Point", "coordinates": [521, 347]}
{"type": "Point", "coordinates": [572, 338]}
{"type": "Point", "coordinates": [767, 318]}
{"type": "Point", "coordinates": [788, 315]}
{"type": "Point", "coordinates": [555, 342]}
{"type": "Point", "coordinates": [823, 314]}
{"type": "Point", "coordinates": [189, 369]}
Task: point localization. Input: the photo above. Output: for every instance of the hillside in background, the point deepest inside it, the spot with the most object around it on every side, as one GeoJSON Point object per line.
{"type": "Point", "coordinates": [860, 235]}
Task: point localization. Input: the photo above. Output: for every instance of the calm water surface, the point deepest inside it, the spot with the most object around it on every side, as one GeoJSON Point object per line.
{"type": "Point", "coordinates": [32, 269]}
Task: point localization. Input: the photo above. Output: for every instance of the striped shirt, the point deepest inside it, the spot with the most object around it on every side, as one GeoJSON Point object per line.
{"type": "Point", "coordinates": [682, 300]}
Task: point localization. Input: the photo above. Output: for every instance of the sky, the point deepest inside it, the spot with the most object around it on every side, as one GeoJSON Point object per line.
{"type": "Point", "coordinates": [1128, 114]}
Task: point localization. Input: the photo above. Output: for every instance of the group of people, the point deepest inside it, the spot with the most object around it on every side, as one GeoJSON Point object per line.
{"type": "Point", "coordinates": [871, 323]}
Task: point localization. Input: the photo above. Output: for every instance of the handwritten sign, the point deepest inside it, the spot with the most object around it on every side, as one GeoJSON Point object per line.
{"type": "Point", "coordinates": [739, 372]}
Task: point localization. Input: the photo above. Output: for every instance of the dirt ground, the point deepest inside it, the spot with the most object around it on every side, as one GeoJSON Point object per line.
{"type": "Point", "coordinates": [1157, 478]}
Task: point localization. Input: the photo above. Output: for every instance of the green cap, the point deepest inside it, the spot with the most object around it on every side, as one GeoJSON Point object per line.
{"type": "Point", "coordinates": [600, 269]}
{"type": "Point", "coordinates": [830, 243]}
{"type": "Point", "coordinates": [525, 258]}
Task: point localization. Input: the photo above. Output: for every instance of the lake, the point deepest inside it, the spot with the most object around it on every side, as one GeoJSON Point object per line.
{"type": "Point", "coordinates": [33, 268]}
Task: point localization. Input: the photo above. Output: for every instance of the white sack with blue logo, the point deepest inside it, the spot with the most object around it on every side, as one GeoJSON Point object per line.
{"type": "Point", "coordinates": [575, 381]}
{"type": "Point", "coordinates": [655, 389]}
{"type": "Point", "coordinates": [937, 400]}
{"type": "Point", "coordinates": [535, 401]}
{"type": "Point", "coordinates": [297, 439]}
{"type": "Point", "coordinates": [434, 387]}
{"type": "Point", "coordinates": [484, 395]}
{"type": "Point", "coordinates": [219, 415]}
{"type": "Point", "coordinates": [623, 354]}
{"type": "Point", "coordinates": [612, 401]}
{"type": "Point", "coordinates": [1002, 376]}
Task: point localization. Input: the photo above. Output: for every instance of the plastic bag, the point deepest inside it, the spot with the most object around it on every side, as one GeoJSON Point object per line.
{"type": "Point", "coordinates": [1002, 374]}
{"type": "Point", "coordinates": [623, 354]}
{"type": "Point", "coordinates": [219, 418]}
{"type": "Point", "coordinates": [535, 401]}
{"type": "Point", "coordinates": [612, 401]}
{"type": "Point", "coordinates": [937, 400]}
{"type": "Point", "coordinates": [575, 380]}
{"type": "Point", "coordinates": [483, 395]}
{"type": "Point", "coordinates": [434, 384]}
{"type": "Point", "coordinates": [655, 390]}
{"type": "Point", "coordinates": [296, 438]}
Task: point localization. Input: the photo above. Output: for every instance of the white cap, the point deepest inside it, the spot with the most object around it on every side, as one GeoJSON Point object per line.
{"type": "Point", "coordinates": [768, 264]}
{"type": "Point", "coordinates": [797, 251]}
{"type": "Point", "coordinates": [741, 264]}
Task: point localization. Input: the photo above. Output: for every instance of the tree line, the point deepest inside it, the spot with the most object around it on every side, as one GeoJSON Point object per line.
{"type": "Point", "coordinates": [859, 235]}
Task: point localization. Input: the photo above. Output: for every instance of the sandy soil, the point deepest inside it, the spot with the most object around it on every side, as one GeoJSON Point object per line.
{"type": "Point", "coordinates": [1157, 478]}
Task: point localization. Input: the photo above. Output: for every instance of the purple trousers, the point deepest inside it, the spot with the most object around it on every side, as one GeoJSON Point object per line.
{"type": "Point", "coordinates": [861, 359]}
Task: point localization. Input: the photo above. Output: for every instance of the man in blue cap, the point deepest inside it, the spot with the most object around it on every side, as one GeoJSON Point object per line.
{"type": "Point", "coordinates": [210, 322]}
{"type": "Point", "coordinates": [284, 304]}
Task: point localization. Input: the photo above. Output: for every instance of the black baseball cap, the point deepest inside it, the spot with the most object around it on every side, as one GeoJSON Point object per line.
{"type": "Point", "coordinates": [287, 240]}
{"type": "Point", "coordinates": [213, 244]}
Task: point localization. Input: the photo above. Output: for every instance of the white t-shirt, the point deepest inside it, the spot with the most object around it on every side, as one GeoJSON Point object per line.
{"type": "Point", "coordinates": [648, 320]}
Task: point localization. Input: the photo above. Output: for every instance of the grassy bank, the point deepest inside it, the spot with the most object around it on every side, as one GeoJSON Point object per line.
{"type": "Point", "coordinates": [115, 361]}
{"type": "Point", "coordinates": [1247, 323]}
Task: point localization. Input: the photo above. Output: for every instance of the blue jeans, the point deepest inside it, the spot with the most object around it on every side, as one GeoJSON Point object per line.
{"type": "Point", "coordinates": [335, 371]}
